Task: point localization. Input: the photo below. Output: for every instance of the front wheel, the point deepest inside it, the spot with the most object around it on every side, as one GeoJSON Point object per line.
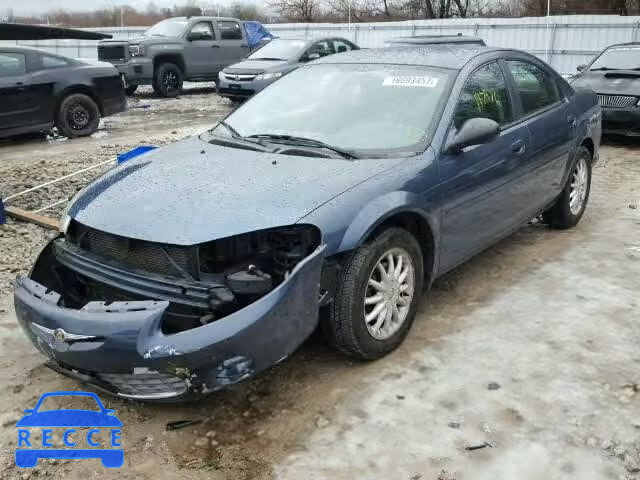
{"type": "Point", "coordinates": [167, 80]}
{"type": "Point", "coordinates": [568, 209]}
{"type": "Point", "coordinates": [377, 295]}
{"type": "Point", "coordinates": [78, 116]}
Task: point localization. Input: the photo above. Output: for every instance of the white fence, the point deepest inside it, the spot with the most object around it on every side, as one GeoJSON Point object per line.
{"type": "Point", "coordinates": [563, 41]}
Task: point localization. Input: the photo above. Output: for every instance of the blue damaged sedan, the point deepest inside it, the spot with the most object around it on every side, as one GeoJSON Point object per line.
{"type": "Point", "coordinates": [332, 198]}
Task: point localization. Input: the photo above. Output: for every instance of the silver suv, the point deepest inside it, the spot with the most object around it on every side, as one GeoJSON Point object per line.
{"type": "Point", "coordinates": [177, 49]}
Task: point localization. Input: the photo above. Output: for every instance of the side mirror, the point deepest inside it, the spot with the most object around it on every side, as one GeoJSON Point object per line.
{"type": "Point", "coordinates": [582, 67]}
{"type": "Point", "coordinates": [313, 56]}
{"type": "Point", "coordinates": [475, 131]}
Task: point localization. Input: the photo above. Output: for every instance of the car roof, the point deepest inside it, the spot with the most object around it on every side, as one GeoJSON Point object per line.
{"type": "Point", "coordinates": [627, 44]}
{"type": "Point", "coordinates": [445, 56]}
{"type": "Point", "coordinates": [202, 17]}
{"type": "Point", "coordinates": [14, 49]}
{"type": "Point", "coordinates": [312, 39]}
{"type": "Point", "coordinates": [436, 39]}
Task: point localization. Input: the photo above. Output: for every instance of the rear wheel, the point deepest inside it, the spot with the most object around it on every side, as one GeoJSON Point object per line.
{"type": "Point", "coordinates": [78, 116]}
{"type": "Point", "coordinates": [568, 209]}
{"type": "Point", "coordinates": [167, 80]}
{"type": "Point", "coordinates": [377, 295]}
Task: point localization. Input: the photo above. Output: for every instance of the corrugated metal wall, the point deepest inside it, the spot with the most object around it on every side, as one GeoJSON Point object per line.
{"type": "Point", "coordinates": [565, 41]}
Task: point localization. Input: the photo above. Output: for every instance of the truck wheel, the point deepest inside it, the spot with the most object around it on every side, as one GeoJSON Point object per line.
{"type": "Point", "coordinates": [130, 90]}
{"type": "Point", "coordinates": [78, 116]}
{"type": "Point", "coordinates": [377, 296]}
{"type": "Point", "coordinates": [568, 209]}
{"type": "Point", "coordinates": [167, 80]}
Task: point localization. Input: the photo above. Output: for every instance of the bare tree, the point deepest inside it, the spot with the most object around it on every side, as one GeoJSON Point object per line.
{"type": "Point", "coordinates": [296, 10]}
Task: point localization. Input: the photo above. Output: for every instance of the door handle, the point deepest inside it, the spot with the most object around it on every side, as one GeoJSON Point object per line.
{"type": "Point", "coordinates": [571, 120]}
{"type": "Point", "coordinates": [215, 46]}
{"type": "Point", "coordinates": [518, 147]}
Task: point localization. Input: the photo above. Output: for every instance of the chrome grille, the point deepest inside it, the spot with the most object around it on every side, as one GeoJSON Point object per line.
{"type": "Point", "coordinates": [617, 101]}
{"type": "Point", "coordinates": [148, 385]}
{"type": "Point", "coordinates": [239, 77]}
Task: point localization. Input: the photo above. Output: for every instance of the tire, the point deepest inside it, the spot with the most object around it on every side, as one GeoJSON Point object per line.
{"type": "Point", "coordinates": [78, 116]}
{"type": "Point", "coordinates": [346, 327]}
{"type": "Point", "coordinates": [130, 90]}
{"type": "Point", "coordinates": [563, 214]}
{"type": "Point", "coordinates": [167, 80]}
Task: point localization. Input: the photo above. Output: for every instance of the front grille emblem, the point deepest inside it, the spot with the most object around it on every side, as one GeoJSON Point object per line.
{"type": "Point", "coordinates": [59, 334]}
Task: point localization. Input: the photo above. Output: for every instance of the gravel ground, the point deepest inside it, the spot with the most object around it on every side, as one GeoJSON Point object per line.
{"type": "Point", "coordinates": [530, 347]}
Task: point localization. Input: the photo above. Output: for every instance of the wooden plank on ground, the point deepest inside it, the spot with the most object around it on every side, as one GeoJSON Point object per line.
{"type": "Point", "coordinates": [27, 216]}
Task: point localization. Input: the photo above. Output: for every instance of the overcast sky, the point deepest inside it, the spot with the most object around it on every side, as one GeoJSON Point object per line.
{"type": "Point", "coordinates": [29, 7]}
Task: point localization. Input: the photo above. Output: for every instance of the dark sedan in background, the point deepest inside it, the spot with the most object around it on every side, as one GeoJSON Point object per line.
{"type": "Point", "coordinates": [615, 76]}
{"type": "Point", "coordinates": [276, 58]}
{"type": "Point", "coordinates": [39, 90]}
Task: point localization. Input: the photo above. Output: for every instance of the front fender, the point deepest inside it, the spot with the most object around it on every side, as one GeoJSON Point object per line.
{"type": "Point", "coordinates": [376, 212]}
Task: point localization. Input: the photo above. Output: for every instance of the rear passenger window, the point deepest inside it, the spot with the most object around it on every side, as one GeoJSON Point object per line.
{"type": "Point", "coordinates": [229, 30]}
{"type": "Point", "coordinates": [341, 46]}
{"type": "Point", "coordinates": [535, 87]}
{"type": "Point", "coordinates": [48, 62]}
{"type": "Point", "coordinates": [12, 64]}
{"type": "Point", "coordinates": [485, 95]}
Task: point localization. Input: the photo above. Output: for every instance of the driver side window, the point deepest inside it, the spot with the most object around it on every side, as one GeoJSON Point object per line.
{"type": "Point", "coordinates": [485, 95]}
{"type": "Point", "coordinates": [202, 31]}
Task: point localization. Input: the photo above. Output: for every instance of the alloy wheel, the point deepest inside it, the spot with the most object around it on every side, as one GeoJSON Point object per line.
{"type": "Point", "coordinates": [579, 186]}
{"type": "Point", "coordinates": [389, 293]}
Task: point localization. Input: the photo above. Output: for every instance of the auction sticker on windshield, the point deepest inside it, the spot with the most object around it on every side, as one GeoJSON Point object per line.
{"type": "Point", "coordinates": [69, 433]}
{"type": "Point", "coordinates": [412, 81]}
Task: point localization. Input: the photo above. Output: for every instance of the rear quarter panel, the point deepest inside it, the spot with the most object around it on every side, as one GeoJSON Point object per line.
{"type": "Point", "coordinates": [588, 113]}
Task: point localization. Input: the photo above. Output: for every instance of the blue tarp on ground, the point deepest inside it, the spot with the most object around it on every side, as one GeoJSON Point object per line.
{"type": "Point", "coordinates": [256, 33]}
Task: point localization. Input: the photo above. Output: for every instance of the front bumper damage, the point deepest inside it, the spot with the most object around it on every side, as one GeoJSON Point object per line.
{"type": "Point", "coordinates": [120, 347]}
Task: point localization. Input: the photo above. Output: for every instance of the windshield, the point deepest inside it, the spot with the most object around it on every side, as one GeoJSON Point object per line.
{"type": "Point", "coordinates": [279, 49]}
{"type": "Point", "coordinates": [618, 58]}
{"type": "Point", "coordinates": [167, 28]}
{"type": "Point", "coordinates": [375, 109]}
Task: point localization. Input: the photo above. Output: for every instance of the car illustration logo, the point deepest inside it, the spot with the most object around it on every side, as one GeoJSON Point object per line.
{"type": "Point", "coordinates": [236, 77]}
{"type": "Point", "coordinates": [85, 433]}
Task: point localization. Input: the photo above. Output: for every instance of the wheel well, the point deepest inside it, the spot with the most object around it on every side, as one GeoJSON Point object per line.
{"type": "Point", "coordinates": [79, 89]}
{"type": "Point", "coordinates": [420, 229]}
{"type": "Point", "coordinates": [587, 142]}
{"type": "Point", "coordinates": [169, 58]}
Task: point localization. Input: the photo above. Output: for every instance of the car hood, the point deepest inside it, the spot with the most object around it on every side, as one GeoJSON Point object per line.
{"type": "Point", "coordinates": [193, 192]}
{"type": "Point", "coordinates": [610, 82]}
{"type": "Point", "coordinates": [257, 66]}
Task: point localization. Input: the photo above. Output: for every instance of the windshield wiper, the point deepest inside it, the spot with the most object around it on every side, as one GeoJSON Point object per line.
{"type": "Point", "coordinates": [600, 68]}
{"type": "Point", "coordinates": [237, 139]}
{"type": "Point", "coordinates": [233, 131]}
{"type": "Point", "coordinates": [304, 142]}
{"type": "Point", "coordinates": [268, 58]}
